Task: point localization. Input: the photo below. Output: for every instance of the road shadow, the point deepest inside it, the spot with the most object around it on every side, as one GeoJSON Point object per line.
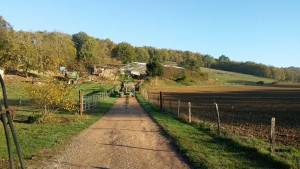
{"type": "Point", "coordinates": [145, 131]}
{"type": "Point", "coordinates": [132, 147]}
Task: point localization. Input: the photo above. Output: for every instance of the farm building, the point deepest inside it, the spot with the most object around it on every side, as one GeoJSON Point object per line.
{"type": "Point", "coordinates": [96, 69]}
{"type": "Point", "coordinates": [137, 69]}
{"type": "Point", "coordinates": [72, 77]}
{"type": "Point", "coordinates": [103, 69]}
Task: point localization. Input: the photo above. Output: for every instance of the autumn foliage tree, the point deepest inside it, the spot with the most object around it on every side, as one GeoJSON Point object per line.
{"type": "Point", "coordinates": [51, 96]}
{"type": "Point", "coordinates": [125, 52]}
{"type": "Point", "coordinates": [6, 32]}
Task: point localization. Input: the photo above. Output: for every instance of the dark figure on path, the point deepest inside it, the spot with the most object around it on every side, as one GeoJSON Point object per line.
{"type": "Point", "coordinates": [122, 86]}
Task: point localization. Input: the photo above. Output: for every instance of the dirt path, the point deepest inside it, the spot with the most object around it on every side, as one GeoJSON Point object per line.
{"type": "Point", "coordinates": [124, 138]}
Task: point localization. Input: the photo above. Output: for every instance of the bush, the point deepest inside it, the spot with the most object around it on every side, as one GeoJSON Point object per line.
{"type": "Point", "coordinates": [183, 76]}
{"type": "Point", "coordinates": [34, 118]}
{"type": "Point", "coordinates": [173, 73]}
{"type": "Point", "coordinates": [49, 96]}
{"type": "Point", "coordinates": [123, 77]}
{"type": "Point", "coordinates": [260, 83]}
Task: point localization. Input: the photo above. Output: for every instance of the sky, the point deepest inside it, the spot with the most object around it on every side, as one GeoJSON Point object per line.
{"type": "Point", "coordinates": [262, 31]}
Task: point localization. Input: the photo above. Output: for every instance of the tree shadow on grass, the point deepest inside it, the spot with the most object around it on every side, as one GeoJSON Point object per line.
{"type": "Point", "coordinates": [241, 82]}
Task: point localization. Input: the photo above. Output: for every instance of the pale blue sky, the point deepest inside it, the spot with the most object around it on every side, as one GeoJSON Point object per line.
{"type": "Point", "coordinates": [263, 31]}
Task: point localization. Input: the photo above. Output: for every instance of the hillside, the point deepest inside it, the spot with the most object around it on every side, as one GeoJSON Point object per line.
{"type": "Point", "coordinates": [232, 78]}
{"type": "Point", "coordinates": [81, 52]}
{"type": "Point", "coordinates": [213, 76]}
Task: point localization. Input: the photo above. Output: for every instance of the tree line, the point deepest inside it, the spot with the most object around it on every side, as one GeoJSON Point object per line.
{"type": "Point", "coordinates": [47, 51]}
{"type": "Point", "coordinates": [281, 74]}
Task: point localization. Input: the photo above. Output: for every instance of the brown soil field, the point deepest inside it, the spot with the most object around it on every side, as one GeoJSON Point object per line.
{"type": "Point", "coordinates": [244, 110]}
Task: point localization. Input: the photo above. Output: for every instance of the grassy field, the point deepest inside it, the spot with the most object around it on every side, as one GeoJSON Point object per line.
{"type": "Point", "coordinates": [91, 87]}
{"type": "Point", "coordinates": [205, 149]}
{"type": "Point", "coordinates": [40, 140]}
{"type": "Point", "coordinates": [215, 77]}
{"type": "Point", "coordinates": [224, 77]}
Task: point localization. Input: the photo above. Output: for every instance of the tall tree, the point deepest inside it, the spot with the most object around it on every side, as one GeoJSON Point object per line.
{"type": "Point", "coordinates": [124, 52]}
{"type": "Point", "coordinates": [6, 34]}
{"type": "Point", "coordinates": [141, 54]}
{"type": "Point", "coordinates": [191, 64]}
{"type": "Point", "coordinates": [87, 49]}
{"type": "Point", "coordinates": [22, 52]}
{"type": "Point", "coordinates": [223, 58]}
{"type": "Point", "coordinates": [154, 67]}
{"type": "Point", "coordinates": [208, 61]}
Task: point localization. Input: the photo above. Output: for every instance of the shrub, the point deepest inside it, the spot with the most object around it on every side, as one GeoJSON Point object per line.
{"type": "Point", "coordinates": [260, 83]}
{"type": "Point", "coordinates": [183, 76]}
{"type": "Point", "coordinates": [49, 96]}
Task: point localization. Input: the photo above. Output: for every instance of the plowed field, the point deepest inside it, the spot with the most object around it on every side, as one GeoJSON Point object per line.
{"type": "Point", "coordinates": [243, 109]}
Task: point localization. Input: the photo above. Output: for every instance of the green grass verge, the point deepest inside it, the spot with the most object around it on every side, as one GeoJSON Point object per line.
{"type": "Point", "coordinates": [205, 149]}
{"type": "Point", "coordinates": [41, 140]}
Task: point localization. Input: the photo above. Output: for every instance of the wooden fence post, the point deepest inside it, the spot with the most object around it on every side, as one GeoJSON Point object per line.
{"type": "Point", "coordinates": [148, 96]}
{"type": "Point", "coordinates": [218, 116]}
{"type": "Point", "coordinates": [20, 101]}
{"type": "Point", "coordinates": [160, 100]}
{"type": "Point", "coordinates": [272, 140]}
{"type": "Point", "coordinates": [95, 101]}
{"type": "Point", "coordinates": [80, 102]}
{"type": "Point", "coordinates": [190, 112]}
{"type": "Point", "coordinates": [178, 110]}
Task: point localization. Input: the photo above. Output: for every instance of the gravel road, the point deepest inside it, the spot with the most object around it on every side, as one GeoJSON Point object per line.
{"type": "Point", "coordinates": [126, 137]}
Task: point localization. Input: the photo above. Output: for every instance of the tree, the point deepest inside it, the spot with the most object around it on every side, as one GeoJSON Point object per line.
{"type": "Point", "coordinates": [79, 39]}
{"type": "Point", "coordinates": [154, 67]}
{"type": "Point", "coordinates": [6, 34]}
{"type": "Point", "coordinates": [164, 54]}
{"type": "Point", "coordinates": [223, 58]}
{"type": "Point", "coordinates": [191, 64]}
{"type": "Point", "coordinates": [22, 52]}
{"type": "Point", "coordinates": [124, 52]}
{"type": "Point", "coordinates": [109, 45]}
{"type": "Point", "coordinates": [199, 58]}
{"type": "Point", "coordinates": [87, 49]}
{"type": "Point", "coordinates": [208, 60]}
{"type": "Point", "coordinates": [51, 96]}
{"type": "Point", "coordinates": [59, 50]}
{"type": "Point", "coordinates": [141, 54]}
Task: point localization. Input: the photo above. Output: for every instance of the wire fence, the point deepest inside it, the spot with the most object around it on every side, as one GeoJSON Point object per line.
{"type": "Point", "coordinates": [241, 112]}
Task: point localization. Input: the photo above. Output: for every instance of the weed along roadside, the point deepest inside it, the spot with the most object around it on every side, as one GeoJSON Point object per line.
{"type": "Point", "coordinates": [204, 148]}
